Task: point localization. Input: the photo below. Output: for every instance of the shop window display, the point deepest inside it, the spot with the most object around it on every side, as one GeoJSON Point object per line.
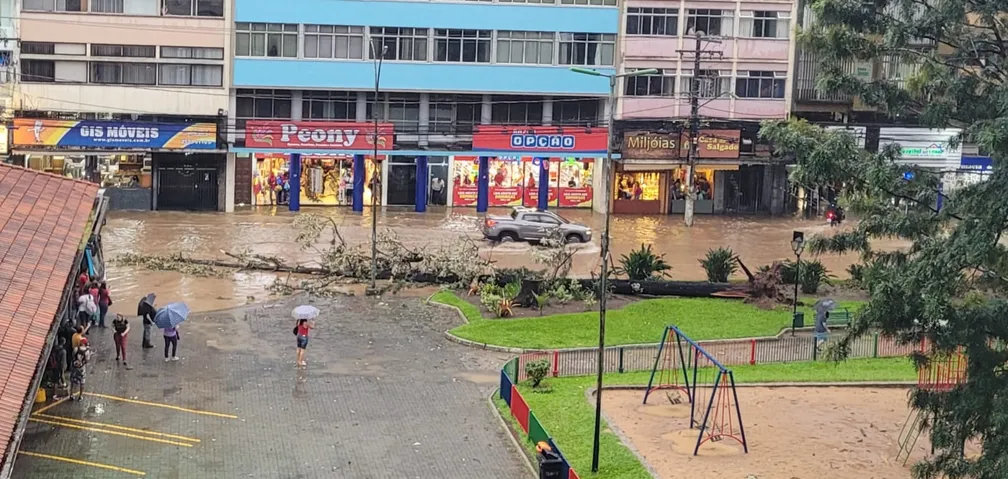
{"type": "Point", "coordinates": [703, 181]}
{"type": "Point", "coordinates": [465, 171]}
{"type": "Point", "coordinates": [505, 181]}
{"type": "Point", "coordinates": [327, 180]}
{"type": "Point", "coordinates": [531, 183]}
{"type": "Point", "coordinates": [272, 172]}
{"type": "Point", "coordinates": [576, 177]}
{"type": "Point", "coordinates": [637, 186]}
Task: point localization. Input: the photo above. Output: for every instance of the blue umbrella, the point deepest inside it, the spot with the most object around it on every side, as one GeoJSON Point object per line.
{"type": "Point", "coordinates": [171, 315]}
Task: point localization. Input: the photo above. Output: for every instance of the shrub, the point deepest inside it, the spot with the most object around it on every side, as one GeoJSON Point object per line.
{"type": "Point", "coordinates": [537, 371]}
{"type": "Point", "coordinates": [540, 300]}
{"type": "Point", "coordinates": [719, 264]}
{"type": "Point", "coordinates": [788, 272]}
{"type": "Point", "coordinates": [510, 275]}
{"type": "Point", "coordinates": [812, 274]}
{"type": "Point", "coordinates": [642, 264]}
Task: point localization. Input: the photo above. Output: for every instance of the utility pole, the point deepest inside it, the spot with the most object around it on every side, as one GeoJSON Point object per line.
{"type": "Point", "coordinates": [694, 121]}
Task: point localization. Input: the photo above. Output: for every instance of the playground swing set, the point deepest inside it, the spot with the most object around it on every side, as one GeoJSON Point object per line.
{"type": "Point", "coordinates": [684, 369]}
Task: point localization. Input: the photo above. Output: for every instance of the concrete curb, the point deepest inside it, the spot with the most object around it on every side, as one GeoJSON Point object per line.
{"type": "Point", "coordinates": [508, 349]}
{"type": "Point", "coordinates": [624, 439]}
{"type": "Point", "coordinates": [515, 441]}
{"type": "Point", "coordinates": [465, 342]}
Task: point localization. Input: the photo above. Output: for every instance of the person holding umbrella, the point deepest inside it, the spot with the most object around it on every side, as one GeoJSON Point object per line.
{"type": "Point", "coordinates": [146, 311]}
{"type": "Point", "coordinates": [305, 316]}
{"type": "Point", "coordinates": [168, 318]}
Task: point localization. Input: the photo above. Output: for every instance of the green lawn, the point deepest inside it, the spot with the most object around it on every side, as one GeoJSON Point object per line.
{"type": "Point", "coordinates": [639, 322]}
{"type": "Point", "coordinates": [569, 417]}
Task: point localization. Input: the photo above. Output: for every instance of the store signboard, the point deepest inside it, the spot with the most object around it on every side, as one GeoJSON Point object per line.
{"type": "Point", "coordinates": [722, 144]}
{"type": "Point", "coordinates": [540, 139]}
{"type": "Point", "coordinates": [97, 134]}
{"type": "Point", "coordinates": [979, 164]}
{"type": "Point", "coordinates": [317, 135]}
{"type": "Point", "coordinates": [923, 147]}
{"type": "Point", "coordinates": [644, 145]}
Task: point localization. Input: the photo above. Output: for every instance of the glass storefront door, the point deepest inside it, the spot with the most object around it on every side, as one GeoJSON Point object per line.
{"type": "Point", "coordinates": [437, 167]}
{"type": "Point", "coordinates": [402, 176]}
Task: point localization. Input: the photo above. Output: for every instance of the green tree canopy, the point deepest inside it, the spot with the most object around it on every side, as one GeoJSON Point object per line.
{"type": "Point", "coordinates": [949, 285]}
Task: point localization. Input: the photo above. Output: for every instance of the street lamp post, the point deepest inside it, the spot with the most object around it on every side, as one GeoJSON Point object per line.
{"type": "Point", "coordinates": [377, 58]}
{"type": "Point", "coordinates": [603, 282]}
{"type": "Point", "coordinates": [797, 245]}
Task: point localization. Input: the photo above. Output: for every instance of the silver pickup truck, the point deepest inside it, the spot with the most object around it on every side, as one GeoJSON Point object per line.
{"type": "Point", "coordinates": [528, 224]}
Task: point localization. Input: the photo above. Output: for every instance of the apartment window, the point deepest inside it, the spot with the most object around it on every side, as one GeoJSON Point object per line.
{"type": "Point", "coordinates": [455, 113]}
{"type": "Point", "coordinates": [107, 6]}
{"type": "Point", "coordinates": [190, 75]}
{"type": "Point", "coordinates": [406, 44]}
{"type": "Point", "coordinates": [196, 53]}
{"type": "Point", "coordinates": [199, 8]}
{"type": "Point", "coordinates": [575, 112]}
{"type": "Point", "coordinates": [760, 84]}
{"type": "Point", "coordinates": [261, 104]}
{"type": "Point", "coordinates": [587, 49]}
{"type": "Point", "coordinates": [652, 21]}
{"type": "Point", "coordinates": [38, 48]}
{"type": "Point", "coordinates": [129, 51]}
{"type": "Point", "coordinates": [124, 73]}
{"type": "Point", "coordinates": [53, 5]}
{"type": "Point", "coordinates": [329, 105]}
{"type": "Point", "coordinates": [466, 46]}
{"type": "Point", "coordinates": [514, 110]}
{"type": "Point", "coordinates": [659, 84]}
{"type": "Point", "coordinates": [35, 71]}
{"type": "Point", "coordinates": [711, 83]}
{"type": "Point", "coordinates": [525, 47]}
{"type": "Point", "coordinates": [764, 24]}
{"type": "Point", "coordinates": [266, 40]}
{"type": "Point", "coordinates": [402, 110]}
{"type": "Point", "coordinates": [330, 41]}
{"type": "Point", "coordinates": [544, 2]}
{"type": "Point", "coordinates": [596, 3]}
{"type": "Point", "coordinates": [710, 22]}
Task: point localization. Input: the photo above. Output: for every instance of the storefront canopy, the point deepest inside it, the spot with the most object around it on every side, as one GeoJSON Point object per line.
{"type": "Point", "coordinates": [329, 152]}
{"type": "Point", "coordinates": [42, 224]}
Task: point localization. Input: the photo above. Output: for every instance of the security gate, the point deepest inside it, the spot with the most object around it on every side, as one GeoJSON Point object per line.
{"type": "Point", "coordinates": [187, 184]}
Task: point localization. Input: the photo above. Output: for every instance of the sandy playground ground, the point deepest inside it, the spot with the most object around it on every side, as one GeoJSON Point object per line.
{"type": "Point", "coordinates": [793, 433]}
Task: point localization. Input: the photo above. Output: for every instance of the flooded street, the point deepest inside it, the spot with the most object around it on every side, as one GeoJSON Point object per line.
{"type": "Point", "coordinates": [757, 240]}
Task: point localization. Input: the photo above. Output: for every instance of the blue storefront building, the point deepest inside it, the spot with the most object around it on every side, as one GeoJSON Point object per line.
{"type": "Point", "coordinates": [475, 105]}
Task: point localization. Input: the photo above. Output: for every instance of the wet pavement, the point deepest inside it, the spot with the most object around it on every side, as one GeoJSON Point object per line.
{"type": "Point", "coordinates": [757, 240]}
{"type": "Point", "coordinates": [384, 395]}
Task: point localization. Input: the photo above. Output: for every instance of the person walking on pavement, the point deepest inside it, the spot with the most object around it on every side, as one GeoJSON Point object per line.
{"type": "Point", "coordinates": [121, 327]}
{"type": "Point", "coordinates": [146, 311]}
{"type": "Point", "coordinates": [171, 338]}
{"type": "Point", "coordinates": [301, 331]}
{"type": "Point", "coordinates": [104, 301]}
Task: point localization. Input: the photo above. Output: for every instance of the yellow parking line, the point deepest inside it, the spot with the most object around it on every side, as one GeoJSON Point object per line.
{"type": "Point", "coordinates": [113, 426]}
{"type": "Point", "coordinates": [83, 463]}
{"type": "Point", "coordinates": [166, 406]}
{"type": "Point", "coordinates": [46, 408]}
{"type": "Point", "coordinates": [106, 431]}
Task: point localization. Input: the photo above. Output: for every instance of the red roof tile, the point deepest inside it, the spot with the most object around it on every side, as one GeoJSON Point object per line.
{"type": "Point", "coordinates": [42, 220]}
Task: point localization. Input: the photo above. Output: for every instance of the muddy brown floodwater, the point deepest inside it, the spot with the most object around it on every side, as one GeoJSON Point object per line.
{"type": "Point", "coordinates": [757, 240]}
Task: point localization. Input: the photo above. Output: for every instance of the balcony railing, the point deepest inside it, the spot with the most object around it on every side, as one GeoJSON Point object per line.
{"type": "Point", "coordinates": [805, 75]}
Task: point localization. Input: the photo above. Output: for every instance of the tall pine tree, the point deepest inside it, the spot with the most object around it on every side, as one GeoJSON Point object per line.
{"type": "Point", "coordinates": [949, 286]}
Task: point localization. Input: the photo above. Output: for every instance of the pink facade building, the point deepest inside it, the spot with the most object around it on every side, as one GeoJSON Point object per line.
{"type": "Point", "coordinates": [744, 77]}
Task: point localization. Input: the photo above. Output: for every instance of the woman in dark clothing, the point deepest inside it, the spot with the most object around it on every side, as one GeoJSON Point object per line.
{"type": "Point", "coordinates": [146, 311]}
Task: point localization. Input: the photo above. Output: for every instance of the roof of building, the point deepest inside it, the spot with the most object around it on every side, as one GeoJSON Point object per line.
{"type": "Point", "coordinates": [42, 222]}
